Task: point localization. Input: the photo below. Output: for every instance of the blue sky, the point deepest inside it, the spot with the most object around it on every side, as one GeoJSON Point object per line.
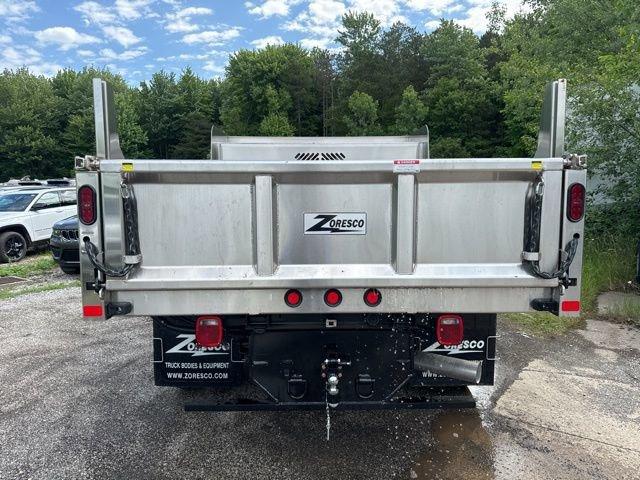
{"type": "Point", "coordinates": [138, 37]}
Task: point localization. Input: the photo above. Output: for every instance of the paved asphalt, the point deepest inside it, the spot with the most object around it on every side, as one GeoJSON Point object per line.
{"type": "Point", "coordinates": [77, 401]}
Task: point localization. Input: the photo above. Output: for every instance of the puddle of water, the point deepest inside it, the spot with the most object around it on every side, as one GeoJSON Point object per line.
{"type": "Point", "coordinates": [462, 448]}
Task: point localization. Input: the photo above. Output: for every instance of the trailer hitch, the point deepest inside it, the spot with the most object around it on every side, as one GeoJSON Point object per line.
{"type": "Point", "coordinates": [331, 373]}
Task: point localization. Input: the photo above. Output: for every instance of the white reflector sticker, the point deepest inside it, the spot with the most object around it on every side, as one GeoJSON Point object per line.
{"type": "Point", "coordinates": [335, 223]}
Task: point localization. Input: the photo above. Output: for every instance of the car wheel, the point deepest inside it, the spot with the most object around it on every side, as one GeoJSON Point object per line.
{"type": "Point", "coordinates": [13, 247]}
{"type": "Point", "coordinates": [70, 270]}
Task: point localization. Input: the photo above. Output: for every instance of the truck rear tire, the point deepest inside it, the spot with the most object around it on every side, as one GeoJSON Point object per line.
{"type": "Point", "coordinates": [13, 247]}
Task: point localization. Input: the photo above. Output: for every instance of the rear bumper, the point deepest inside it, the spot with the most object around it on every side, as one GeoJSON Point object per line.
{"type": "Point", "coordinates": [257, 301]}
{"type": "Point", "coordinates": [429, 399]}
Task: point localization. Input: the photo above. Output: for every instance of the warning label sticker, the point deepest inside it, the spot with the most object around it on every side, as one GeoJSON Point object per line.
{"type": "Point", "coordinates": [406, 166]}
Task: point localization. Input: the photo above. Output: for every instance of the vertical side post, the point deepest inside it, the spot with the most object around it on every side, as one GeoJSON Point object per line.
{"type": "Point", "coordinates": [264, 225]}
{"type": "Point", "coordinates": [104, 109]}
{"type": "Point", "coordinates": [405, 223]}
{"type": "Point", "coordinates": [552, 120]}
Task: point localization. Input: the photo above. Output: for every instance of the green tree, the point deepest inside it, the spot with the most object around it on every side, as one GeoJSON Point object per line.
{"type": "Point", "coordinates": [448, 147]}
{"type": "Point", "coordinates": [196, 112]}
{"type": "Point", "coordinates": [600, 61]}
{"type": "Point", "coordinates": [133, 139]}
{"type": "Point", "coordinates": [75, 92]}
{"type": "Point", "coordinates": [402, 64]}
{"type": "Point", "coordinates": [29, 127]}
{"type": "Point", "coordinates": [362, 115]}
{"type": "Point", "coordinates": [276, 125]}
{"type": "Point", "coordinates": [157, 109]}
{"type": "Point", "coordinates": [460, 98]}
{"type": "Point", "coordinates": [274, 81]}
{"type": "Point", "coordinates": [606, 126]}
{"type": "Point", "coordinates": [410, 114]}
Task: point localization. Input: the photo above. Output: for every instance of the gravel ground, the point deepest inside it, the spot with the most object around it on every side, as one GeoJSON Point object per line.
{"type": "Point", "coordinates": [77, 401]}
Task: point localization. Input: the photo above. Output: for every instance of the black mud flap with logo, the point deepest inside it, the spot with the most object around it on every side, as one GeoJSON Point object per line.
{"type": "Point", "coordinates": [479, 344]}
{"type": "Point", "coordinates": [179, 362]}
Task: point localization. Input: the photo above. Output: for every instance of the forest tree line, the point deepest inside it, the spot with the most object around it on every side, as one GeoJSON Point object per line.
{"type": "Point", "coordinates": [479, 95]}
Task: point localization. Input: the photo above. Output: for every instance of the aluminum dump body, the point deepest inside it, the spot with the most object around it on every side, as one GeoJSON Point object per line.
{"type": "Point", "coordinates": [233, 233]}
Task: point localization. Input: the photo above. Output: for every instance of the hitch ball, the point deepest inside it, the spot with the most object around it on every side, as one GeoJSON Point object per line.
{"type": "Point", "coordinates": [332, 384]}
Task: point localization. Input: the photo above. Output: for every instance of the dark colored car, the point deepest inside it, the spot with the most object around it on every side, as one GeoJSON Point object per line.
{"type": "Point", "coordinates": [65, 246]}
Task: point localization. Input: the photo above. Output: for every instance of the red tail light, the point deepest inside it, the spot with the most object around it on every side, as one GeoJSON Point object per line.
{"type": "Point", "coordinates": [372, 297]}
{"type": "Point", "coordinates": [293, 298]}
{"type": "Point", "coordinates": [575, 205]}
{"type": "Point", "coordinates": [92, 310]}
{"type": "Point", "coordinates": [87, 204]}
{"type": "Point", "coordinates": [449, 330]}
{"type": "Point", "coordinates": [209, 331]}
{"type": "Point", "coordinates": [333, 297]}
{"type": "Point", "coordinates": [571, 306]}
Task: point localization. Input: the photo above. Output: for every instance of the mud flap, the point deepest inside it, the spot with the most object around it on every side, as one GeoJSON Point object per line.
{"type": "Point", "coordinates": [479, 344]}
{"type": "Point", "coordinates": [179, 362]}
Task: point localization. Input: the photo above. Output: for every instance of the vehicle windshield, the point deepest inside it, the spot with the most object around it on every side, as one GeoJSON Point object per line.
{"type": "Point", "coordinates": [15, 202]}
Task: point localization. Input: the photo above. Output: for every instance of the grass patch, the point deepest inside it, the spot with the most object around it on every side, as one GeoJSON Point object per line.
{"type": "Point", "coordinates": [608, 264]}
{"type": "Point", "coordinates": [544, 323]}
{"type": "Point", "coordinates": [628, 312]}
{"type": "Point", "coordinates": [29, 267]}
{"type": "Point", "coordinates": [6, 294]}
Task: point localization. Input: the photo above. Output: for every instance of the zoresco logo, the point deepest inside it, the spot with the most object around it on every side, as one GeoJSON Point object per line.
{"type": "Point", "coordinates": [335, 223]}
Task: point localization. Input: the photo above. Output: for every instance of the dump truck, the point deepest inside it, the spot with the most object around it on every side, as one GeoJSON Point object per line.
{"type": "Point", "coordinates": [316, 272]}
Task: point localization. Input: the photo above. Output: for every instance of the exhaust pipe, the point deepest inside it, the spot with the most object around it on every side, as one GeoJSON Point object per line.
{"type": "Point", "coordinates": [469, 371]}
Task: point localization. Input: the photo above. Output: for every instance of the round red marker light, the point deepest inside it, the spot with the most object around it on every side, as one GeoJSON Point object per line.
{"type": "Point", "coordinates": [372, 297]}
{"type": "Point", "coordinates": [333, 297]}
{"type": "Point", "coordinates": [293, 298]}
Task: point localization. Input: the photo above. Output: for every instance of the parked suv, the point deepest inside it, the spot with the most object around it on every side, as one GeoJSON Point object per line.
{"type": "Point", "coordinates": [27, 216]}
{"type": "Point", "coordinates": [64, 243]}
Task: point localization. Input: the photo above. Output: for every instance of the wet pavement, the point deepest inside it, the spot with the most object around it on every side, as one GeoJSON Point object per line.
{"type": "Point", "coordinates": [77, 401]}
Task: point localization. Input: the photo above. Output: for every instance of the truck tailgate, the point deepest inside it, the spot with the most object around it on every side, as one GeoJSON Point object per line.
{"type": "Point", "coordinates": [452, 229]}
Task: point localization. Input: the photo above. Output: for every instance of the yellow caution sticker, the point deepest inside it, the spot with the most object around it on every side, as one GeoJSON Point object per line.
{"type": "Point", "coordinates": [127, 167]}
{"type": "Point", "coordinates": [536, 165]}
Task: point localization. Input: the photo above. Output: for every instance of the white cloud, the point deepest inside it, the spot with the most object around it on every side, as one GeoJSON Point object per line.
{"type": "Point", "coordinates": [270, 40]}
{"type": "Point", "coordinates": [110, 54]}
{"type": "Point", "coordinates": [19, 56]}
{"type": "Point", "coordinates": [213, 67]}
{"type": "Point", "coordinates": [16, 10]}
{"type": "Point", "coordinates": [434, 7]}
{"type": "Point", "coordinates": [5, 39]}
{"type": "Point", "coordinates": [134, 9]}
{"type": "Point", "coordinates": [386, 11]}
{"type": "Point", "coordinates": [476, 16]}
{"type": "Point", "coordinates": [116, 69]}
{"type": "Point", "coordinates": [64, 37]}
{"type": "Point", "coordinates": [311, 43]}
{"type": "Point", "coordinates": [181, 21]}
{"type": "Point", "coordinates": [191, 11]}
{"type": "Point", "coordinates": [93, 12]}
{"type": "Point", "coordinates": [212, 37]}
{"type": "Point", "coordinates": [269, 8]}
{"type": "Point", "coordinates": [320, 21]}
{"type": "Point", "coordinates": [85, 53]}
{"type": "Point", "coordinates": [122, 35]}
{"type": "Point", "coordinates": [432, 24]}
